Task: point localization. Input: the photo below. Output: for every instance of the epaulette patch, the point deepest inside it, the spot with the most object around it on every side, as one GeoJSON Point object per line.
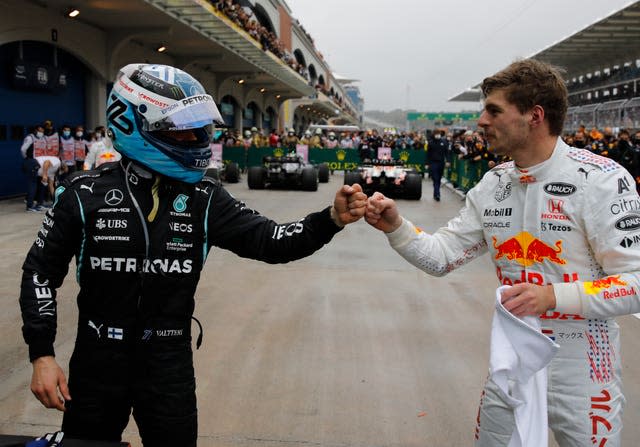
{"type": "Point", "coordinates": [605, 164]}
{"type": "Point", "coordinates": [504, 166]}
{"type": "Point", "coordinates": [211, 180]}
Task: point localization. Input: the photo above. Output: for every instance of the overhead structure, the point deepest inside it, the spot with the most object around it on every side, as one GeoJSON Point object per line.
{"type": "Point", "coordinates": [608, 42]}
{"type": "Point", "coordinates": [603, 44]}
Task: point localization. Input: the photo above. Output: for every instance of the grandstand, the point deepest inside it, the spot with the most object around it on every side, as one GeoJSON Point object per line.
{"type": "Point", "coordinates": [602, 71]}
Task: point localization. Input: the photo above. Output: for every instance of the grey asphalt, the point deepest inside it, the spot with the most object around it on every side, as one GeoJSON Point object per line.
{"type": "Point", "coordinates": [351, 347]}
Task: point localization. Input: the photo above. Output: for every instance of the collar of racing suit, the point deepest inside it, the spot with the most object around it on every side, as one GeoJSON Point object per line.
{"type": "Point", "coordinates": [541, 171]}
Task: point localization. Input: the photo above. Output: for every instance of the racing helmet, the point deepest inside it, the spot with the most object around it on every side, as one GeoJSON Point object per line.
{"type": "Point", "coordinates": [162, 118]}
{"type": "Point", "coordinates": [247, 133]}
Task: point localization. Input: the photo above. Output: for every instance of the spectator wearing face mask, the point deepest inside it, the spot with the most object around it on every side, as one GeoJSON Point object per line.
{"type": "Point", "coordinates": [67, 152]}
{"type": "Point", "coordinates": [580, 140]}
{"type": "Point", "coordinates": [35, 138]}
{"type": "Point", "coordinates": [306, 138]}
{"type": "Point", "coordinates": [346, 141]}
{"type": "Point", "coordinates": [81, 146]}
{"type": "Point", "coordinates": [331, 142]}
{"type": "Point", "coordinates": [33, 147]}
{"type": "Point", "coordinates": [317, 140]}
{"type": "Point", "coordinates": [290, 140]}
{"type": "Point", "coordinates": [53, 139]}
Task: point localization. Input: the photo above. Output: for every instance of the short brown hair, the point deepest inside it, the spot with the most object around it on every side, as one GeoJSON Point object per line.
{"type": "Point", "coordinates": [530, 82]}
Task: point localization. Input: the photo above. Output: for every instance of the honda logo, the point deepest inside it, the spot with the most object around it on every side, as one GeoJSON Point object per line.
{"type": "Point", "coordinates": [555, 206]}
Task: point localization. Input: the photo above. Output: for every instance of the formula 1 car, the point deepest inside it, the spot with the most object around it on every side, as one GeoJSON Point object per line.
{"type": "Point", "coordinates": [287, 171]}
{"type": "Point", "coordinates": [388, 176]}
{"type": "Point", "coordinates": [228, 172]}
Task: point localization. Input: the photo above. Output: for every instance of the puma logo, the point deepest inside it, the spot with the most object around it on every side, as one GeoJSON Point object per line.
{"type": "Point", "coordinates": [90, 188]}
{"type": "Point", "coordinates": [93, 326]}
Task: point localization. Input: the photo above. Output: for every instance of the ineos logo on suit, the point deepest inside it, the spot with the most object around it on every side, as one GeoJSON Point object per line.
{"type": "Point", "coordinates": [113, 197]}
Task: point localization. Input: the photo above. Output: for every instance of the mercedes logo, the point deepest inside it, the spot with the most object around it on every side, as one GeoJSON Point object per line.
{"type": "Point", "coordinates": [113, 197]}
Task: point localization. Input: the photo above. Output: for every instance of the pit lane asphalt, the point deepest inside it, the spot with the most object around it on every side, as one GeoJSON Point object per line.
{"type": "Point", "coordinates": [351, 347]}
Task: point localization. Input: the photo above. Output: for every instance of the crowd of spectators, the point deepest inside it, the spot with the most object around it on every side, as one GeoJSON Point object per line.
{"type": "Point", "coordinates": [244, 18]}
{"type": "Point", "coordinates": [289, 138]}
{"type": "Point", "coordinates": [622, 146]}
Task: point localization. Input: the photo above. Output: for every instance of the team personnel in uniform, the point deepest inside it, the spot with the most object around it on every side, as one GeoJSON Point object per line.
{"type": "Point", "coordinates": [81, 146]}
{"type": "Point", "coordinates": [559, 225]}
{"type": "Point", "coordinates": [140, 230]}
{"type": "Point", "coordinates": [436, 159]}
{"type": "Point", "coordinates": [67, 152]}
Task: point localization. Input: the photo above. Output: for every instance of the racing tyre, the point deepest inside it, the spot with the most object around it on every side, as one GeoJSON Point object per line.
{"type": "Point", "coordinates": [351, 177]}
{"type": "Point", "coordinates": [309, 179]}
{"type": "Point", "coordinates": [232, 173]}
{"type": "Point", "coordinates": [323, 173]}
{"type": "Point", "coordinates": [413, 186]}
{"type": "Point", "coordinates": [256, 177]}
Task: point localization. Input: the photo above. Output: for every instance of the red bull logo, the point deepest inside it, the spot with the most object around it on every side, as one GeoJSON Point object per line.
{"type": "Point", "coordinates": [526, 179]}
{"type": "Point", "coordinates": [527, 250]}
{"type": "Point", "coordinates": [595, 287]}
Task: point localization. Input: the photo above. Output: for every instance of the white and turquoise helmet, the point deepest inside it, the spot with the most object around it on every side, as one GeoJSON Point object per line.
{"type": "Point", "coordinates": [150, 107]}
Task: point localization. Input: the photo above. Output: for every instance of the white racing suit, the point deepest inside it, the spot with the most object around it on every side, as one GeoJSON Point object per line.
{"type": "Point", "coordinates": [572, 221]}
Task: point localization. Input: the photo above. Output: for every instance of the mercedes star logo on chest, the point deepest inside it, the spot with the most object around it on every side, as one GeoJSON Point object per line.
{"type": "Point", "coordinates": [113, 197]}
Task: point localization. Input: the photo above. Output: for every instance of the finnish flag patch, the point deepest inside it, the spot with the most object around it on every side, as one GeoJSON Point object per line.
{"type": "Point", "coordinates": [115, 333]}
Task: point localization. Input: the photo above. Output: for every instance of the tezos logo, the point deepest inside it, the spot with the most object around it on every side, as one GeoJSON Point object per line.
{"type": "Point", "coordinates": [180, 203]}
{"type": "Point", "coordinates": [559, 189]}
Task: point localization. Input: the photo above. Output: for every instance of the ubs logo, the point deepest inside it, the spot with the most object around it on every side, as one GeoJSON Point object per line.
{"type": "Point", "coordinates": [113, 197]}
{"type": "Point", "coordinates": [111, 223]}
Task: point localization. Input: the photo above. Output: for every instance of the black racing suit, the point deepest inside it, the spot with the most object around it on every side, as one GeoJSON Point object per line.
{"type": "Point", "coordinates": [140, 244]}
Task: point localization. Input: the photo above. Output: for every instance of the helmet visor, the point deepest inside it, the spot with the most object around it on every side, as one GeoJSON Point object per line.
{"type": "Point", "coordinates": [188, 113]}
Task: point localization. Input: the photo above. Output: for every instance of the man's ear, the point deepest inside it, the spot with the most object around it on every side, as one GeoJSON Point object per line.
{"type": "Point", "coordinates": [537, 116]}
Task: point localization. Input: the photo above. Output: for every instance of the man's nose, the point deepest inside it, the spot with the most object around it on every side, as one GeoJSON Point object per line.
{"type": "Point", "coordinates": [482, 121]}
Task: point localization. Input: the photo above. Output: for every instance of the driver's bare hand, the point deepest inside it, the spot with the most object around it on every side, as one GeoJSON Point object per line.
{"type": "Point", "coordinates": [49, 384]}
{"type": "Point", "coordinates": [382, 213]}
{"type": "Point", "coordinates": [528, 299]}
{"type": "Point", "coordinates": [349, 204]}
